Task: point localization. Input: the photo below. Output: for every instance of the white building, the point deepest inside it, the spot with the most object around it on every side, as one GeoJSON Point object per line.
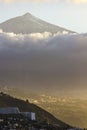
{"type": "Point", "coordinates": [15, 110]}
{"type": "Point", "coordinates": [9, 110]}
{"type": "Point", "coordinates": [29, 115]}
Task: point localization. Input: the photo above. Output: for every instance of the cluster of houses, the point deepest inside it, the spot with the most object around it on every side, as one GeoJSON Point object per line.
{"type": "Point", "coordinates": [12, 119]}
{"type": "Point", "coordinates": [15, 110]}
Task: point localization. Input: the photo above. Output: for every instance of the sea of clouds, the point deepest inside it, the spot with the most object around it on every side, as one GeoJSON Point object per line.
{"type": "Point", "coordinates": [43, 60]}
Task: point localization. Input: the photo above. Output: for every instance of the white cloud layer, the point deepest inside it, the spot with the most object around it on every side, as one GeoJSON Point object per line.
{"type": "Point", "coordinates": [31, 40]}
{"type": "Point", "coordinates": [79, 1]}
{"type": "Point", "coordinates": [43, 61]}
{"type": "Point", "coordinates": [74, 1]}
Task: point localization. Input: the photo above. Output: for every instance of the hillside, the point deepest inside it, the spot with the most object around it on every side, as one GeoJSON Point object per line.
{"type": "Point", "coordinates": [41, 114]}
{"type": "Point", "coordinates": [71, 110]}
{"type": "Point", "coordinates": [30, 24]}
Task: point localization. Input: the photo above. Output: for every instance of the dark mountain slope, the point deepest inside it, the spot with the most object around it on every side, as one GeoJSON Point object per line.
{"type": "Point", "coordinates": [8, 101]}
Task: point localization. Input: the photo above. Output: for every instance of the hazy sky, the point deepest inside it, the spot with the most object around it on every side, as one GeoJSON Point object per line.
{"type": "Point", "coordinates": [71, 14]}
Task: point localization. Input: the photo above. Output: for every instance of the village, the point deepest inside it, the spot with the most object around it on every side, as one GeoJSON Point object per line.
{"type": "Point", "coordinates": [16, 114]}
{"type": "Point", "coordinates": [12, 119]}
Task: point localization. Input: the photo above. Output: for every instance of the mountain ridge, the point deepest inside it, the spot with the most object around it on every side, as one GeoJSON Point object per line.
{"type": "Point", "coordinates": [27, 23]}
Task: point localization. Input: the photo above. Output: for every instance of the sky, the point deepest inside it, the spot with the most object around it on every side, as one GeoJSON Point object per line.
{"type": "Point", "coordinates": [71, 14]}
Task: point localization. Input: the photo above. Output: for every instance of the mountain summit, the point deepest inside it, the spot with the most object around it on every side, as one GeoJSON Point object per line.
{"type": "Point", "coordinates": [27, 14]}
{"type": "Point", "coordinates": [28, 23]}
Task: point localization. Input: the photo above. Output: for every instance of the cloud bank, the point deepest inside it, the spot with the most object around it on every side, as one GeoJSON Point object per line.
{"type": "Point", "coordinates": [44, 62]}
{"type": "Point", "coordinates": [10, 1]}
{"type": "Point", "coordinates": [79, 1]}
{"type": "Point", "coordinates": [74, 1]}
